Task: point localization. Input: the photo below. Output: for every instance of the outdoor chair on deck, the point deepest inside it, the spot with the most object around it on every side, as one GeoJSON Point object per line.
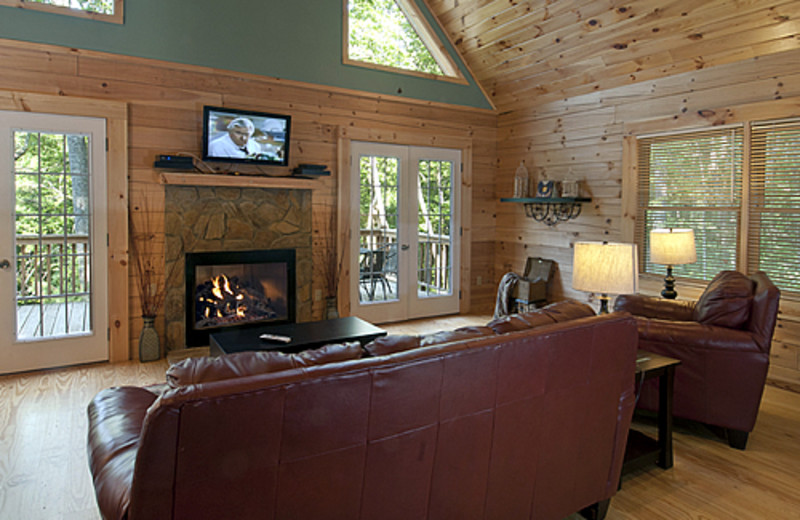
{"type": "Point", "coordinates": [371, 271]}
{"type": "Point", "coordinates": [375, 266]}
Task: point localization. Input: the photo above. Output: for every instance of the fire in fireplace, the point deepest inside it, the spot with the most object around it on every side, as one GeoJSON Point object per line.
{"type": "Point", "coordinates": [238, 289]}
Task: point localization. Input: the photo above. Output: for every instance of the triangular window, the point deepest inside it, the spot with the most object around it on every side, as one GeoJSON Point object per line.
{"type": "Point", "coordinates": [394, 34]}
{"type": "Point", "coordinates": [105, 10]}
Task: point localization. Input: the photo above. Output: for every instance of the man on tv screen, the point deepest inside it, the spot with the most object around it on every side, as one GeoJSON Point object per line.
{"type": "Point", "coordinates": [236, 142]}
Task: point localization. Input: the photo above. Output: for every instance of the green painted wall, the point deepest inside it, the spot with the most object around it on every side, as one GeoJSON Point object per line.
{"type": "Point", "coordinates": [291, 39]}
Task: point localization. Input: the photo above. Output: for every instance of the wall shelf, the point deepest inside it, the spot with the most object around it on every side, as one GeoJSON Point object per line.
{"type": "Point", "coordinates": [550, 210]}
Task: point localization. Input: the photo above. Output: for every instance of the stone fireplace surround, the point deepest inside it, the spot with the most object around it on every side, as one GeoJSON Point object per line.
{"type": "Point", "coordinates": [208, 218]}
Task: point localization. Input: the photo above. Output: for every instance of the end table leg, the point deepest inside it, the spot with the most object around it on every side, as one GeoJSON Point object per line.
{"type": "Point", "coordinates": [666, 384]}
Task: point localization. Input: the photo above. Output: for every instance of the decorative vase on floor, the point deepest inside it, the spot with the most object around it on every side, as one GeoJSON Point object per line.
{"type": "Point", "coordinates": [149, 346]}
{"type": "Point", "coordinates": [331, 311]}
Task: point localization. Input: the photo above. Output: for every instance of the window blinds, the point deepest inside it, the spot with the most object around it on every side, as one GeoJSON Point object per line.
{"type": "Point", "coordinates": [773, 243]}
{"type": "Point", "coordinates": [692, 180]}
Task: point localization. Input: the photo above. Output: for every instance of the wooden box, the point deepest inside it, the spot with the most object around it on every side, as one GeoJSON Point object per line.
{"type": "Point", "coordinates": [533, 285]}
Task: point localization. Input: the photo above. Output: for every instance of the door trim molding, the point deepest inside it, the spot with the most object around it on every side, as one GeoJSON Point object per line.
{"type": "Point", "coordinates": [345, 136]}
{"type": "Point", "coordinates": [116, 115]}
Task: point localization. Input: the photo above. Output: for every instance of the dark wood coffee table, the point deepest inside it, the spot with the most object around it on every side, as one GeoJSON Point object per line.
{"type": "Point", "coordinates": [304, 336]}
{"type": "Point", "coordinates": [643, 449]}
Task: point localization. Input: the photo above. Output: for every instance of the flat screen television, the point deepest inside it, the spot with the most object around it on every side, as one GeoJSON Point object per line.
{"type": "Point", "coordinates": [245, 136]}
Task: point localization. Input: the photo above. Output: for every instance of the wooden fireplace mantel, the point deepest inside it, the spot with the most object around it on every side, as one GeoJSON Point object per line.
{"type": "Point", "coordinates": [238, 181]}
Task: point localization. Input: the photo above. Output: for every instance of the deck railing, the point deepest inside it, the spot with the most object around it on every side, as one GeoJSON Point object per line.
{"type": "Point", "coordinates": [433, 257]}
{"type": "Point", "coordinates": [51, 265]}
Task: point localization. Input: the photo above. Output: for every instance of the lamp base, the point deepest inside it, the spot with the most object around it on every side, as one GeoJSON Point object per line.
{"type": "Point", "coordinates": [604, 304]}
{"type": "Point", "coordinates": [669, 291]}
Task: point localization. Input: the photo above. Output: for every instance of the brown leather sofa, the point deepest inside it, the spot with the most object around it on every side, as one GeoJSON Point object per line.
{"type": "Point", "coordinates": [523, 418]}
{"type": "Point", "coordinates": [723, 341]}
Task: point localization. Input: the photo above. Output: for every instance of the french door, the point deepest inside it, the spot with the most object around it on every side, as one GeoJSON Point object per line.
{"type": "Point", "coordinates": [408, 222]}
{"type": "Point", "coordinates": [53, 262]}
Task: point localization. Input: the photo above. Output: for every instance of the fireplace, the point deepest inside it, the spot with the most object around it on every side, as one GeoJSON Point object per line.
{"type": "Point", "coordinates": [229, 289]}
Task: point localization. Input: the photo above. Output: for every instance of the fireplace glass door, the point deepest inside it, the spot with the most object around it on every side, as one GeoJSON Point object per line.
{"type": "Point", "coordinates": [238, 289]}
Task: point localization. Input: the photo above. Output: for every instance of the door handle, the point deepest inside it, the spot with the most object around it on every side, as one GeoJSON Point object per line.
{"type": "Point", "coordinates": [4, 263]}
{"type": "Point", "coordinates": [404, 247]}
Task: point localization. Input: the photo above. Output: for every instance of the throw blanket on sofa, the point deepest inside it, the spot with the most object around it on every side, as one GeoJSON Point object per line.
{"type": "Point", "coordinates": [505, 292]}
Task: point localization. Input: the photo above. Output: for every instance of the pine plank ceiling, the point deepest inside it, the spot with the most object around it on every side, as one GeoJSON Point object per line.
{"type": "Point", "coordinates": [526, 53]}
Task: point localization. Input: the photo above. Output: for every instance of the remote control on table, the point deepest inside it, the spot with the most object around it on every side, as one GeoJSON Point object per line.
{"type": "Point", "coordinates": [276, 337]}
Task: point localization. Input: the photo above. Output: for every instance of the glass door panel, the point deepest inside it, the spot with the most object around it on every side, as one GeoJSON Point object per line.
{"type": "Point", "coordinates": [434, 271]}
{"type": "Point", "coordinates": [378, 228]}
{"type": "Point", "coordinates": [51, 236]}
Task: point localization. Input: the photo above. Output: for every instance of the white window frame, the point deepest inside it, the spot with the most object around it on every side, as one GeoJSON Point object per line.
{"type": "Point", "coordinates": [116, 17]}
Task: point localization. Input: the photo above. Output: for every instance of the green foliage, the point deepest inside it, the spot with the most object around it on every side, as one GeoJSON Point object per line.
{"type": "Point", "coordinates": [379, 194]}
{"type": "Point", "coordinates": [51, 188]}
{"type": "Point", "coordinates": [379, 205]}
{"type": "Point", "coordinates": [380, 33]}
{"type": "Point", "coordinates": [92, 6]}
{"type": "Point", "coordinates": [695, 171]}
{"type": "Point", "coordinates": [434, 179]}
{"type": "Point", "coordinates": [44, 185]}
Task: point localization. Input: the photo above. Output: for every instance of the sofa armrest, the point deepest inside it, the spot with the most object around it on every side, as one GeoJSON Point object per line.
{"type": "Point", "coordinates": [691, 335]}
{"type": "Point", "coordinates": [116, 416]}
{"type": "Point", "coordinates": [651, 307]}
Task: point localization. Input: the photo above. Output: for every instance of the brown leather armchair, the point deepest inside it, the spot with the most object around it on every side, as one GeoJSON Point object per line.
{"type": "Point", "coordinates": [723, 341]}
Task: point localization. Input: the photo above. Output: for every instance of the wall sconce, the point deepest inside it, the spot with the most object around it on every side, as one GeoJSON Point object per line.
{"type": "Point", "coordinates": [605, 268]}
{"type": "Point", "coordinates": [672, 247]}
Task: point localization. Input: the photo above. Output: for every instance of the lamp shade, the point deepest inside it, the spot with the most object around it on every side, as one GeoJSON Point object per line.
{"type": "Point", "coordinates": [672, 246]}
{"type": "Point", "coordinates": [605, 268]}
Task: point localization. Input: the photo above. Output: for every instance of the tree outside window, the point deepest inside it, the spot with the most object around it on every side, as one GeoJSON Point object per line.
{"type": "Point", "coordinates": [393, 34]}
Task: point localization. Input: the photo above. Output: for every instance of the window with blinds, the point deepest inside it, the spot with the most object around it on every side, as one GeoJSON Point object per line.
{"type": "Point", "coordinates": [773, 243]}
{"type": "Point", "coordinates": [692, 180]}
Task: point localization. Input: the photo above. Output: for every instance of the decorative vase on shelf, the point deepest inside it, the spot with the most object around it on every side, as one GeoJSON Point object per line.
{"type": "Point", "coordinates": [331, 311]}
{"type": "Point", "coordinates": [149, 345]}
{"type": "Point", "coordinates": [521, 182]}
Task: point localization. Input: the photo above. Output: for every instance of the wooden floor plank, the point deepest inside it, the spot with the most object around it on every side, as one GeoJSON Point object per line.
{"type": "Point", "coordinates": [44, 470]}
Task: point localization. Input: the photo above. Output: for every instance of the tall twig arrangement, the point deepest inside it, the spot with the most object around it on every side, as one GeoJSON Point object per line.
{"type": "Point", "coordinates": [332, 260]}
{"type": "Point", "coordinates": [149, 278]}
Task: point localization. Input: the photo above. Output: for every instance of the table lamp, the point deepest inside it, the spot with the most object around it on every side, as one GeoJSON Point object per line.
{"type": "Point", "coordinates": [672, 247]}
{"type": "Point", "coordinates": [605, 268]}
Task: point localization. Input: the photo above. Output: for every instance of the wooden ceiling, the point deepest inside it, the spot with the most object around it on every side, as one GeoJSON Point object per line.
{"type": "Point", "coordinates": [526, 53]}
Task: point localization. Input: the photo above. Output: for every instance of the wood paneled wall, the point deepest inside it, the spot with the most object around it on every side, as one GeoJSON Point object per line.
{"type": "Point", "coordinates": [165, 110]}
{"type": "Point", "coordinates": [581, 138]}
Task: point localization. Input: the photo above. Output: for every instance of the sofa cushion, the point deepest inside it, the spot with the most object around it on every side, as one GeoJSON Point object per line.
{"type": "Point", "coordinates": [557, 312]}
{"type": "Point", "coordinates": [402, 342]}
{"type": "Point", "coordinates": [449, 336]}
{"type": "Point", "coordinates": [514, 322]}
{"type": "Point", "coordinates": [567, 310]}
{"type": "Point", "coordinates": [726, 301]}
{"type": "Point", "coordinates": [241, 364]}
{"type": "Point", "coordinates": [392, 343]}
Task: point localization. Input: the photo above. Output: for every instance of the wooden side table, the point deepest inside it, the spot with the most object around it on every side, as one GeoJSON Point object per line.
{"type": "Point", "coordinates": [643, 449]}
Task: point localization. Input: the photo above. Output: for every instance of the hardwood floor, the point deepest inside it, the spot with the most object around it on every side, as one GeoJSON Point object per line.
{"type": "Point", "coordinates": [44, 472]}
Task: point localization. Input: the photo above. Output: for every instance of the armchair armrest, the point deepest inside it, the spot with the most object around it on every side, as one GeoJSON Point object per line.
{"type": "Point", "coordinates": [691, 335]}
{"type": "Point", "coordinates": [116, 416]}
{"type": "Point", "coordinates": [651, 307]}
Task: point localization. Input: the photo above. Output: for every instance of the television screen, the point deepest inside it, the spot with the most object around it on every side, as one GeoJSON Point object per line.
{"type": "Point", "coordinates": [242, 136]}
